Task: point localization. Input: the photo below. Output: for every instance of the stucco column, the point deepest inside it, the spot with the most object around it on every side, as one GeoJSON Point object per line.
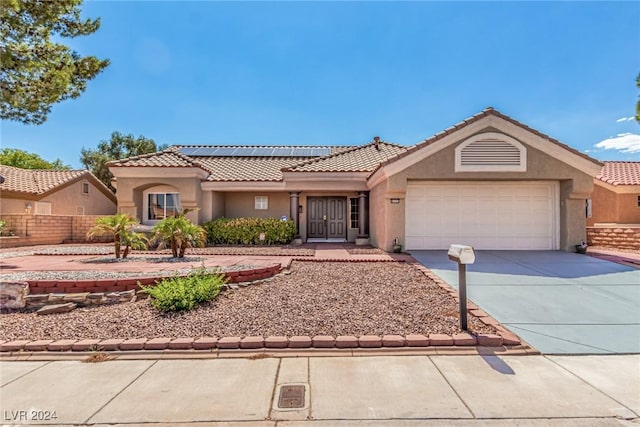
{"type": "Point", "coordinates": [294, 202]}
{"type": "Point", "coordinates": [362, 214]}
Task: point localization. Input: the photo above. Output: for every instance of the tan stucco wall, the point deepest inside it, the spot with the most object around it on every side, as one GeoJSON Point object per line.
{"type": "Point", "coordinates": [241, 204]}
{"type": "Point", "coordinates": [628, 210]}
{"type": "Point", "coordinates": [65, 201]}
{"type": "Point", "coordinates": [441, 166]}
{"type": "Point", "coordinates": [130, 195]}
{"type": "Point", "coordinates": [611, 207]}
{"type": "Point", "coordinates": [217, 204]}
{"type": "Point", "coordinates": [13, 206]}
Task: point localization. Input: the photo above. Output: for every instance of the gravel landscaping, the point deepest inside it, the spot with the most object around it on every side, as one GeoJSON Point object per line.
{"type": "Point", "coordinates": [314, 299]}
{"type": "Point", "coordinates": [101, 249]}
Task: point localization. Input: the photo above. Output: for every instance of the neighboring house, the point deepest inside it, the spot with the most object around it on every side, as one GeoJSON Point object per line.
{"type": "Point", "coordinates": [53, 192]}
{"type": "Point", "coordinates": [488, 181]}
{"type": "Point", "coordinates": [616, 194]}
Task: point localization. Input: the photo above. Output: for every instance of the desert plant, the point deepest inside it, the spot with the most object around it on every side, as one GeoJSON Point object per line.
{"type": "Point", "coordinates": [250, 231]}
{"type": "Point", "coordinates": [185, 293]}
{"type": "Point", "coordinates": [121, 227]}
{"type": "Point", "coordinates": [178, 233]}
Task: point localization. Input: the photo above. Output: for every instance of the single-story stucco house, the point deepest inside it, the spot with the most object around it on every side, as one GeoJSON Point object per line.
{"type": "Point", "coordinates": [53, 192]}
{"type": "Point", "coordinates": [616, 194]}
{"type": "Point", "coordinates": [488, 181]}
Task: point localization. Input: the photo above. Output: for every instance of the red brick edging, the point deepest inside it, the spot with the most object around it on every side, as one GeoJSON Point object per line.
{"type": "Point", "coordinates": [125, 284]}
{"type": "Point", "coordinates": [258, 342]}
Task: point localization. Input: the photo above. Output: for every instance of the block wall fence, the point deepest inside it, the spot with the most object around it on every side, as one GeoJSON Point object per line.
{"type": "Point", "coordinates": [31, 229]}
{"type": "Point", "coordinates": [625, 237]}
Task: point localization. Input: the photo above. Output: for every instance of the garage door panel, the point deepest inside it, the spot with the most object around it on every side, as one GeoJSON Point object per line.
{"type": "Point", "coordinates": [509, 215]}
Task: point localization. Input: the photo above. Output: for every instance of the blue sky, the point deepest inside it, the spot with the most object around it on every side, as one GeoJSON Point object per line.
{"type": "Point", "coordinates": [339, 73]}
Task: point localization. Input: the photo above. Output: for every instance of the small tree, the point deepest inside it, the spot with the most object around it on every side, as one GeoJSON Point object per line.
{"type": "Point", "coordinates": [25, 160]}
{"type": "Point", "coordinates": [179, 233]}
{"type": "Point", "coordinates": [121, 226]}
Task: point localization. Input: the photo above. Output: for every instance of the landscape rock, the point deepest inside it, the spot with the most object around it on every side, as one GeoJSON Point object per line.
{"type": "Point", "coordinates": [13, 294]}
{"type": "Point", "coordinates": [57, 308]}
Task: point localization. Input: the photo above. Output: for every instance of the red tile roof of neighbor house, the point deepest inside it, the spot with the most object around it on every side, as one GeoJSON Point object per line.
{"type": "Point", "coordinates": [620, 173]}
{"type": "Point", "coordinates": [36, 181]}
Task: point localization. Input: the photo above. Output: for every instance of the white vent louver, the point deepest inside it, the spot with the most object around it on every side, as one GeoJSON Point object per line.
{"type": "Point", "coordinates": [491, 152]}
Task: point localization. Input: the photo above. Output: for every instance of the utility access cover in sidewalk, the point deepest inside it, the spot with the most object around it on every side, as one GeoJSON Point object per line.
{"type": "Point", "coordinates": [291, 396]}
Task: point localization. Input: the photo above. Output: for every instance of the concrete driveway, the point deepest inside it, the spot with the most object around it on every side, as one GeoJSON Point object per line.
{"type": "Point", "coordinates": [559, 302]}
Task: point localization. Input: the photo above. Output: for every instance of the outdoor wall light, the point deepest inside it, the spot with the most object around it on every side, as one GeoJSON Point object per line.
{"type": "Point", "coordinates": [27, 207]}
{"type": "Point", "coordinates": [395, 201]}
{"type": "Point", "coordinates": [299, 208]}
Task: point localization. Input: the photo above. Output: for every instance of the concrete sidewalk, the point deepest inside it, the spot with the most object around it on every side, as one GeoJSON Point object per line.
{"type": "Point", "coordinates": [354, 391]}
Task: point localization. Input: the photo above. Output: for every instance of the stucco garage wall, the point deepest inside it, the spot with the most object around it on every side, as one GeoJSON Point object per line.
{"type": "Point", "coordinates": [575, 187]}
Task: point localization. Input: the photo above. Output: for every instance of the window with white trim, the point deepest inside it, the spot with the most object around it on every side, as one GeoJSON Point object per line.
{"type": "Point", "coordinates": [85, 188]}
{"type": "Point", "coordinates": [491, 152]}
{"type": "Point", "coordinates": [261, 203]}
{"type": "Point", "coordinates": [355, 212]}
{"type": "Point", "coordinates": [162, 205]}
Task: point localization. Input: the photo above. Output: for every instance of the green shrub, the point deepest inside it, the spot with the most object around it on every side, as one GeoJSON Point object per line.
{"type": "Point", "coordinates": [247, 231]}
{"type": "Point", "coordinates": [185, 293]}
{"type": "Point", "coordinates": [3, 224]}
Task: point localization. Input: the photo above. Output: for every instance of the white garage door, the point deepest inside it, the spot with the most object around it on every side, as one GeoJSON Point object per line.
{"type": "Point", "coordinates": [486, 215]}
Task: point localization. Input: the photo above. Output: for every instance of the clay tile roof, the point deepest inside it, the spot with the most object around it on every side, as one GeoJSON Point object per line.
{"type": "Point", "coordinates": [364, 158]}
{"type": "Point", "coordinates": [247, 168]}
{"type": "Point", "coordinates": [36, 181]}
{"type": "Point", "coordinates": [167, 158]}
{"type": "Point", "coordinates": [250, 168]}
{"type": "Point", "coordinates": [620, 173]}
{"type": "Point", "coordinates": [223, 168]}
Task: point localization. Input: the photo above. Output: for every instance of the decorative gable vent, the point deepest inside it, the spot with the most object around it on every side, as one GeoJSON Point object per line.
{"type": "Point", "coordinates": [491, 152]}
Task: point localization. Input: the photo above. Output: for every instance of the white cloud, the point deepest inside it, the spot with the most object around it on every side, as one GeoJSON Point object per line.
{"type": "Point", "coordinates": [624, 119]}
{"type": "Point", "coordinates": [624, 142]}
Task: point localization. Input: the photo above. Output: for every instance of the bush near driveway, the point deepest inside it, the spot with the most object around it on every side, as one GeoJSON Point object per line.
{"type": "Point", "coordinates": [185, 293]}
{"type": "Point", "coordinates": [248, 231]}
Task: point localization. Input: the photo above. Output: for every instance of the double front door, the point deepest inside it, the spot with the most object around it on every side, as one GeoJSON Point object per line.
{"type": "Point", "coordinates": [327, 217]}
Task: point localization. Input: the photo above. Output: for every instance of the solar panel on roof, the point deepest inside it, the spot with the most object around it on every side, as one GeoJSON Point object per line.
{"type": "Point", "coordinates": [187, 151]}
{"type": "Point", "coordinates": [255, 151]}
{"type": "Point", "coordinates": [263, 152]}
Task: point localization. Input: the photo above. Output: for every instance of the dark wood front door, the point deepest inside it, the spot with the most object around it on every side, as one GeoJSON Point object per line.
{"type": "Point", "coordinates": [327, 217]}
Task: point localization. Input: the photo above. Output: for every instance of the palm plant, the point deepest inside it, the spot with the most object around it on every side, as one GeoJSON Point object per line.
{"type": "Point", "coordinates": [121, 227]}
{"type": "Point", "coordinates": [179, 233]}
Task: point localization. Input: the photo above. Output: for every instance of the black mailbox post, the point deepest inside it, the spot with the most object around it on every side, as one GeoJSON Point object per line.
{"type": "Point", "coordinates": [462, 255]}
